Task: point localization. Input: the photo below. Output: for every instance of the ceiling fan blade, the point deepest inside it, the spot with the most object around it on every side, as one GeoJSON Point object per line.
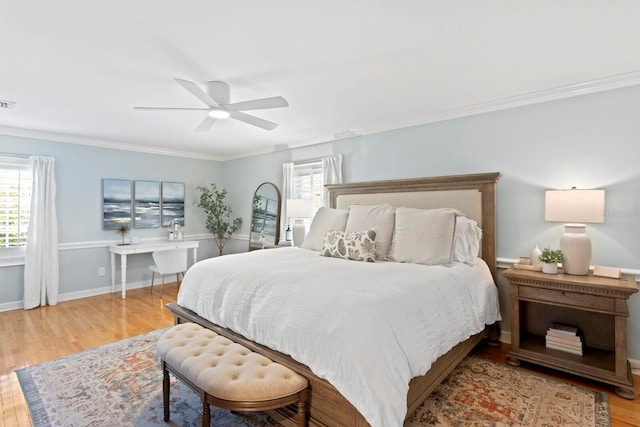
{"type": "Point", "coordinates": [170, 108]}
{"type": "Point", "coordinates": [253, 120]}
{"type": "Point", "coordinates": [219, 91]}
{"type": "Point", "coordinates": [206, 124]}
{"type": "Point", "coordinates": [197, 92]}
{"type": "Point", "coordinates": [259, 104]}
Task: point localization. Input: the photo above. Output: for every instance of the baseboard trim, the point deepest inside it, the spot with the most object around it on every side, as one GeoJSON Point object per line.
{"type": "Point", "coordinates": [68, 296]}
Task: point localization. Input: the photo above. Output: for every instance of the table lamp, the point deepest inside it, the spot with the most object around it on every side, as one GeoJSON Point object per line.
{"type": "Point", "coordinates": [575, 207]}
{"type": "Point", "coordinates": [299, 209]}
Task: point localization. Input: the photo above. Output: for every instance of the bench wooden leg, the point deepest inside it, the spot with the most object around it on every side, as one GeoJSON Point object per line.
{"type": "Point", "coordinates": [165, 391]}
{"type": "Point", "coordinates": [206, 410]}
{"type": "Point", "coordinates": [302, 409]}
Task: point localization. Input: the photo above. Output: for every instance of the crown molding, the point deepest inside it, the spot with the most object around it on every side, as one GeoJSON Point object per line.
{"type": "Point", "coordinates": [563, 92]}
{"type": "Point", "coordinates": [617, 81]}
{"type": "Point", "coordinates": [102, 143]}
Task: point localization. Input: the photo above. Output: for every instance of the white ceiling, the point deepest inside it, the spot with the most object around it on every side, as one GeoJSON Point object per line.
{"type": "Point", "coordinates": [76, 68]}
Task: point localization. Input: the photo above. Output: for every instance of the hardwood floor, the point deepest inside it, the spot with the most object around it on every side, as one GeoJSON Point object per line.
{"type": "Point", "coordinates": [35, 336]}
{"type": "Point", "coordinates": [29, 337]}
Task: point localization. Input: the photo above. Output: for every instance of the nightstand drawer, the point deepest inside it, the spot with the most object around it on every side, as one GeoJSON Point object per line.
{"type": "Point", "coordinates": [568, 298]}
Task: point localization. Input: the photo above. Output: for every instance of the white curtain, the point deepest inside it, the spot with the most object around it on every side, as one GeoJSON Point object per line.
{"type": "Point", "coordinates": [332, 171]}
{"type": "Point", "coordinates": [41, 260]}
{"type": "Point", "coordinates": [287, 192]}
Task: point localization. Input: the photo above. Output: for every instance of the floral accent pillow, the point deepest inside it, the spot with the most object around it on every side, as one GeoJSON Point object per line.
{"type": "Point", "coordinates": [354, 245]}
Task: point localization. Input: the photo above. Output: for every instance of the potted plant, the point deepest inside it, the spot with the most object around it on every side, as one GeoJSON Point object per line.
{"type": "Point", "coordinates": [123, 230]}
{"type": "Point", "coordinates": [218, 214]}
{"type": "Point", "coordinates": [550, 259]}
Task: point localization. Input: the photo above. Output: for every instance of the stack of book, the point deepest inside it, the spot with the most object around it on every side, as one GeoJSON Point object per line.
{"type": "Point", "coordinates": [565, 338]}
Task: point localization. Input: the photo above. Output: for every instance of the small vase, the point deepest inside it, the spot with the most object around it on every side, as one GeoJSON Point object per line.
{"type": "Point", "coordinates": [535, 253]}
{"type": "Point", "coordinates": [550, 267]}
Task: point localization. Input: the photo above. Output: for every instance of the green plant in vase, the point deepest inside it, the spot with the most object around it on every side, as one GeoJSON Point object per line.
{"type": "Point", "coordinates": [218, 213]}
{"type": "Point", "coordinates": [550, 259]}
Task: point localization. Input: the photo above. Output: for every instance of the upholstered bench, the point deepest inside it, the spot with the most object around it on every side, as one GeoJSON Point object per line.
{"type": "Point", "coordinates": [227, 374]}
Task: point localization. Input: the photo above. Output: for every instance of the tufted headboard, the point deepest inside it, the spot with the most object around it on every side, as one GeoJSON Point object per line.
{"type": "Point", "coordinates": [472, 194]}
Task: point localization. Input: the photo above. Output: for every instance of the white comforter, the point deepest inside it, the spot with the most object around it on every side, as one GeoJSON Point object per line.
{"type": "Point", "coordinates": [367, 328]}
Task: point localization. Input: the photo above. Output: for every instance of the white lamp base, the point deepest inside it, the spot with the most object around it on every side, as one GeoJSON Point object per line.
{"type": "Point", "coordinates": [576, 249]}
{"type": "Point", "coordinates": [298, 232]}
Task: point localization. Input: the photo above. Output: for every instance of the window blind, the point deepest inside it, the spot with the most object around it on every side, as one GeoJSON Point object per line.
{"type": "Point", "coordinates": [308, 183]}
{"type": "Point", "coordinates": [15, 201]}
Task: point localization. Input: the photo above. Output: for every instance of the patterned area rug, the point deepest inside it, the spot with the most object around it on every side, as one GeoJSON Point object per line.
{"type": "Point", "coordinates": [120, 384]}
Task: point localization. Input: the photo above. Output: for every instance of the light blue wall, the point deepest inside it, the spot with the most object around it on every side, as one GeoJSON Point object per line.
{"type": "Point", "coordinates": [588, 142]}
{"type": "Point", "coordinates": [79, 173]}
{"type": "Point", "coordinates": [591, 141]}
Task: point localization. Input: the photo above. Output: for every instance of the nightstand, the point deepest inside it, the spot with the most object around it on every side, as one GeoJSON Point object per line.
{"type": "Point", "coordinates": [597, 306]}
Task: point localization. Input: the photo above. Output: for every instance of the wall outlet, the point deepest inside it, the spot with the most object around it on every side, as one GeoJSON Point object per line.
{"type": "Point", "coordinates": [101, 271]}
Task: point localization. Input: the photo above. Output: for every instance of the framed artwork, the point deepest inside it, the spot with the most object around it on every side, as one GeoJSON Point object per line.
{"type": "Point", "coordinates": [116, 203]}
{"type": "Point", "coordinates": [146, 204]}
{"type": "Point", "coordinates": [172, 203]}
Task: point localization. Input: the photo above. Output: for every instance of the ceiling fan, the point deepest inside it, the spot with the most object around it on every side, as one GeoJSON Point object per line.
{"type": "Point", "coordinates": [218, 105]}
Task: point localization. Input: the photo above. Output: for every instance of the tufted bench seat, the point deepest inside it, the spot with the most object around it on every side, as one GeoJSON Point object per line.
{"type": "Point", "coordinates": [226, 374]}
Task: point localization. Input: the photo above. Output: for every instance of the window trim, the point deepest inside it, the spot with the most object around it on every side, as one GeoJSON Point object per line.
{"type": "Point", "coordinates": [311, 167]}
{"type": "Point", "coordinates": [14, 255]}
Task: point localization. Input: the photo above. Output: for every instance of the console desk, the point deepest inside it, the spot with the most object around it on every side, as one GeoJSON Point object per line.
{"type": "Point", "coordinates": [143, 248]}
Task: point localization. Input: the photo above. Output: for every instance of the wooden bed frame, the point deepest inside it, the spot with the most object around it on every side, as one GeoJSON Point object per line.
{"type": "Point", "coordinates": [326, 406]}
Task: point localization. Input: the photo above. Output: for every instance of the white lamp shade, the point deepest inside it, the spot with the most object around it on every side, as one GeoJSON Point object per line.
{"type": "Point", "coordinates": [299, 208]}
{"type": "Point", "coordinates": [576, 206]}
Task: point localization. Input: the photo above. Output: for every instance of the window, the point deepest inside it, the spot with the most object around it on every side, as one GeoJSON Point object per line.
{"type": "Point", "coordinates": [308, 183]}
{"type": "Point", "coordinates": [15, 202]}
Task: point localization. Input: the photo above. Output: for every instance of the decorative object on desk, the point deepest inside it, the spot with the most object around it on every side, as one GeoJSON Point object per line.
{"type": "Point", "coordinates": [146, 204]}
{"type": "Point", "coordinates": [175, 232]}
{"type": "Point", "coordinates": [611, 272]}
{"type": "Point", "coordinates": [575, 207]}
{"type": "Point", "coordinates": [299, 209]}
{"type": "Point", "coordinates": [123, 230]}
{"type": "Point", "coordinates": [218, 213]}
{"type": "Point", "coordinates": [172, 203]}
{"type": "Point", "coordinates": [535, 256]}
{"type": "Point", "coordinates": [265, 217]}
{"type": "Point", "coordinates": [116, 203]}
{"type": "Point", "coordinates": [520, 266]}
{"type": "Point", "coordinates": [550, 259]}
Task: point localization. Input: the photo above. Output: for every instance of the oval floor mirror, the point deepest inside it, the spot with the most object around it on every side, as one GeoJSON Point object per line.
{"type": "Point", "coordinates": [265, 217]}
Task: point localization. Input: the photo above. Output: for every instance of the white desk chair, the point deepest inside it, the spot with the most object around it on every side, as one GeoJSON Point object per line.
{"type": "Point", "coordinates": [170, 261]}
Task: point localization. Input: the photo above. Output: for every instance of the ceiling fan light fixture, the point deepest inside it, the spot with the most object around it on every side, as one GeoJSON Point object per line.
{"type": "Point", "coordinates": [218, 113]}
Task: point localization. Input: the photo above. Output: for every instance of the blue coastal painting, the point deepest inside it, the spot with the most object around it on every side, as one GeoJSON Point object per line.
{"type": "Point", "coordinates": [146, 204]}
{"type": "Point", "coordinates": [172, 203]}
{"type": "Point", "coordinates": [116, 203]}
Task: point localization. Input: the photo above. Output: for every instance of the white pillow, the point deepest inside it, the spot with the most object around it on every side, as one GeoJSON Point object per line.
{"type": "Point", "coordinates": [325, 219]}
{"type": "Point", "coordinates": [424, 236]}
{"type": "Point", "coordinates": [380, 217]}
{"type": "Point", "coordinates": [467, 241]}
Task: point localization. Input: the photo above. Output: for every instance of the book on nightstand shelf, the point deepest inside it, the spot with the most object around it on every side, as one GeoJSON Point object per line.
{"type": "Point", "coordinates": [564, 338]}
